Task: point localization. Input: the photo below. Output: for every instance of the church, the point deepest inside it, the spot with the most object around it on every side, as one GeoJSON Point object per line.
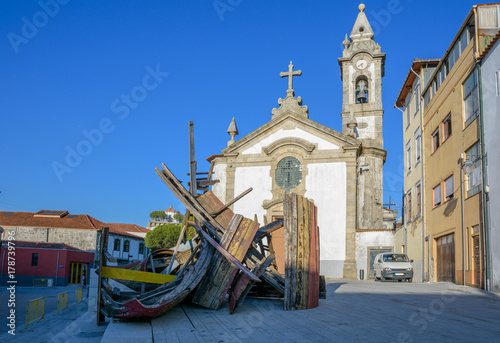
{"type": "Point", "coordinates": [341, 171]}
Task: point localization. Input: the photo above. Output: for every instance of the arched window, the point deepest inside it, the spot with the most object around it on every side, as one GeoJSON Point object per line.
{"type": "Point", "coordinates": [116, 245]}
{"type": "Point", "coordinates": [126, 246]}
{"type": "Point", "coordinates": [362, 90]}
{"type": "Point", "coordinates": [141, 248]}
{"type": "Point", "coordinates": [288, 173]}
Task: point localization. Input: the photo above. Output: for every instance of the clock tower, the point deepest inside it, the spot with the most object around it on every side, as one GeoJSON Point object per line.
{"type": "Point", "coordinates": [362, 67]}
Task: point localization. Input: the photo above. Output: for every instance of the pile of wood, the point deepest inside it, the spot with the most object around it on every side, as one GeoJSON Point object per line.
{"type": "Point", "coordinates": [230, 258]}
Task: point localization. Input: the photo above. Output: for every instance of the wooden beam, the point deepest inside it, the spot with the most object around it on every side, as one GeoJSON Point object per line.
{"type": "Point", "coordinates": [192, 160]}
{"type": "Point", "coordinates": [135, 275]}
{"type": "Point", "coordinates": [226, 206]}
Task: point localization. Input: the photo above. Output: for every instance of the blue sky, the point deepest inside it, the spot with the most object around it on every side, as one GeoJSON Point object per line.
{"type": "Point", "coordinates": [117, 82]}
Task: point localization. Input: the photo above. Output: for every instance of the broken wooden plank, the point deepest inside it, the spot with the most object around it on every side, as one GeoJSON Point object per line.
{"type": "Point", "coordinates": [226, 254]}
{"type": "Point", "coordinates": [236, 240]}
{"type": "Point", "coordinates": [271, 275]}
{"type": "Point", "coordinates": [267, 229]}
{"type": "Point", "coordinates": [226, 206]}
{"type": "Point", "coordinates": [242, 283]}
{"type": "Point", "coordinates": [301, 253]}
{"type": "Point", "coordinates": [212, 204]}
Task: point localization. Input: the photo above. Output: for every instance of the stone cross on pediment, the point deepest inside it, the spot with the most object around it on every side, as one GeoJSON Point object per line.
{"type": "Point", "coordinates": [290, 74]}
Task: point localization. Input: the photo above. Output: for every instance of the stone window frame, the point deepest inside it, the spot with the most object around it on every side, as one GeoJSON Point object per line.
{"type": "Point", "coordinates": [126, 246]}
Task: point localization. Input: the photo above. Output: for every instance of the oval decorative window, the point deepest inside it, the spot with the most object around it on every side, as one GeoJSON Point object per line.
{"type": "Point", "coordinates": [288, 173]}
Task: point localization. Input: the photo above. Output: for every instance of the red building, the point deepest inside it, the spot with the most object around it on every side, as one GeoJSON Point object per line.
{"type": "Point", "coordinates": [58, 264]}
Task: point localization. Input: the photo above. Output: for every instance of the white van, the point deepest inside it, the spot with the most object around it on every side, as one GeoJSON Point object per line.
{"type": "Point", "coordinates": [391, 265]}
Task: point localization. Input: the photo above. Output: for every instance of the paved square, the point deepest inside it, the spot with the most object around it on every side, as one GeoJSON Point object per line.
{"type": "Point", "coordinates": [354, 311]}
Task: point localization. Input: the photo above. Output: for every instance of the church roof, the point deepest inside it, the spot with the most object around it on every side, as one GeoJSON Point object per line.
{"type": "Point", "coordinates": [348, 141]}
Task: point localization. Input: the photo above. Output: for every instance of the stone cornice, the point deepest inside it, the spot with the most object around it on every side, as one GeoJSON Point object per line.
{"type": "Point", "coordinates": [299, 142]}
{"type": "Point", "coordinates": [372, 151]}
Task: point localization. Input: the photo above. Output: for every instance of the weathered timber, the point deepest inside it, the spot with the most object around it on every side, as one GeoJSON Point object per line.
{"type": "Point", "coordinates": [212, 204]}
{"type": "Point", "coordinates": [103, 243]}
{"type": "Point", "coordinates": [322, 287]}
{"type": "Point", "coordinates": [271, 275]}
{"type": "Point", "coordinates": [301, 253]}
{"type": "Point", "coordinates": [226, 206]}
{"type": "Point", "coordinates": [243, 284]}
{"type": "Point", "coordinates": [236, 240]}
{"type": "Point", "coordinates": [189, 200]}
{"type": "Point", "coordinates": [192, 160]}
{"type": "Point", "coordinates": [224, 253]}
{"type": "Point", "coordinates": [135, 275]}
{"type": "Point", "coordinates": [267, 229]}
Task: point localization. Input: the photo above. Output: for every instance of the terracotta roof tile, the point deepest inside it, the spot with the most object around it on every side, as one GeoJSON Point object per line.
{"type": "Point", "coordinates": [28, 219]}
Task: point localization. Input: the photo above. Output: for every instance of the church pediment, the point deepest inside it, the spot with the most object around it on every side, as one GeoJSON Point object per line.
{"type": "Point", "coordinates": [291, 129]}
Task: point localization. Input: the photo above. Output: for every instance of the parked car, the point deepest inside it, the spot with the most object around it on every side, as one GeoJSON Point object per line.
{"type": "Point", "coordinates": [395, 266]}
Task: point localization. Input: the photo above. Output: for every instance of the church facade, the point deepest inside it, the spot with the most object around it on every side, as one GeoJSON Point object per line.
{"type": "Point", "coordinates": [342, 172]}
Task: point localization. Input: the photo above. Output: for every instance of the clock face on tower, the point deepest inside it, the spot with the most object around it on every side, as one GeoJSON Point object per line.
{"type": "Point", "coordinates": [361, 64]}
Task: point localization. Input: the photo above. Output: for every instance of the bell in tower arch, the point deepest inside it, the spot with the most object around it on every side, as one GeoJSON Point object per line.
{"type": "Point", "coordinates": [361, 91]}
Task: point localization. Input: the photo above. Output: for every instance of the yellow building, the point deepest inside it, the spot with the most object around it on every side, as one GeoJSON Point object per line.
{"type": "Point", "coordinates": [452, 156]}
{"type": "Point", "coordinates": [410, 236]}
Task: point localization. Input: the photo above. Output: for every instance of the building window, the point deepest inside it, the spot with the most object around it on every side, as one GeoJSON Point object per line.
{"type": "Point", "coordinates": [126, 246]}
{"type": "Point", "coordinates": [418, 144]}
{"type": "Point", "coordinates": [141, 248]}
{"type": "Point", "coordinates": [418, 198]}
{"type": "Point", "coordinates": [447, 127]}
{"type": "Point", "coordinates": [116, 245]}
{"type": "Point", "coordinates": [34, 259]}
{"type": "Point", "coordinates": [473, 176]}
{"type": "Point", "coordinates": [408, 156]}
{"type": "Point", "coordinates": [288, 173]}
{"type": "Point", "coordinates": [408, 203]}
{"type": "Point", "coordinates": [436, 195]}
{"type": "Point", "coordinates": [448, 188]}
{"type": "Point", "coordinates": [471, 96]}
{"type": "Point", "coordinates": [435, 140]}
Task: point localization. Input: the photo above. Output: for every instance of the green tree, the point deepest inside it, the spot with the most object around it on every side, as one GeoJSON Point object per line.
{"type": "Point", "coordinates": [164, 236]}
{"type": "Point", "coordinates": [158, 215]}
{"type": "Point", "coordinates": [179, 217]}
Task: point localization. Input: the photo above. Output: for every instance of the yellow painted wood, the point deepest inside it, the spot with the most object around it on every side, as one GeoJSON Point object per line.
{"type": "Point", "coordinates": [135, 275]}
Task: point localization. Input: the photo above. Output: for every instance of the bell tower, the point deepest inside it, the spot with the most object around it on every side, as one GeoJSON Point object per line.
{"type": "Point", "coordinates": [362, 67]}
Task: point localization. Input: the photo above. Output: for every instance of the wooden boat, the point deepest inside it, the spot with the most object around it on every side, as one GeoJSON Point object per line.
{"type": "Point", "coordinates": [164, 297]}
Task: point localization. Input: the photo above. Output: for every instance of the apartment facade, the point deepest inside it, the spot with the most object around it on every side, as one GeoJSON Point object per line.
{"type": "Point", "coordinates": [453, 158]}
{"type": "Point", "coordinates": [410, 236]}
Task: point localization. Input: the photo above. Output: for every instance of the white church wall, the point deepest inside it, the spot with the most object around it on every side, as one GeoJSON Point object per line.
{"type": "Point", "coordinates": [219, 173]}
{"type": "Point", "coordinates": [326, 185]}
{"type": "Point", "coordinates": [374, 239]}
{"type": "Point", "coordinates": [260, 180]}
{"type": "Point", "coordinates": [295, 133]}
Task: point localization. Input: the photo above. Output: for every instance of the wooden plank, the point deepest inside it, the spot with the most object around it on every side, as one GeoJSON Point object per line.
{"type": "Point", "coordinates": [313, 299]}
{"type": "Point", "coordinates": [212, 204]}
{"type": "Point", "coordinates": [102, 263]}
{"type": "Point", "coordinates": [270, 275]}
{"type": "Point", "coordinates": [237, 240]}
{"type": "Point", "coordinates": [192, 160]}
{"type": "Point", "coordinates": [226, 206]}
{"type": "Point", "coordinates": [267, 229]}
{"type": "Point", "coordinates": [291, 226]}
{"type": "Point", "coordinates": [188, 200]}
{"type": "Point", "coordinates": [135, 275]}
{"type": "Point", "coordinates": [243, 283]}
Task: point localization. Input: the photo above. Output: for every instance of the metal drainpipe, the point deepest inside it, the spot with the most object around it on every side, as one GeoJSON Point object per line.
{"type": "Point", "coordinates": [403, 200]}
{"type": "Point", "coordinates": [463, 217]}
{"type": "Point", "coordinates": [483, 179]}
{"type": "Point", "coordinates": [422, 189]}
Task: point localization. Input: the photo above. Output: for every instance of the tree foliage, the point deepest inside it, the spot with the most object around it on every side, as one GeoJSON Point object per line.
{"type": "Point", "coordinates": [164, 236]}
{"type": "Point", "coordinates": [158, 215]}
{"type": "Point", "coordinates": [179, 217]}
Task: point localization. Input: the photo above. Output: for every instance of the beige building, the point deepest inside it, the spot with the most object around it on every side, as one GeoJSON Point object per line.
{"type": "Point", "coordinates": [410, 236]}
{"type": "Point", "coordinates": [453, 173]}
